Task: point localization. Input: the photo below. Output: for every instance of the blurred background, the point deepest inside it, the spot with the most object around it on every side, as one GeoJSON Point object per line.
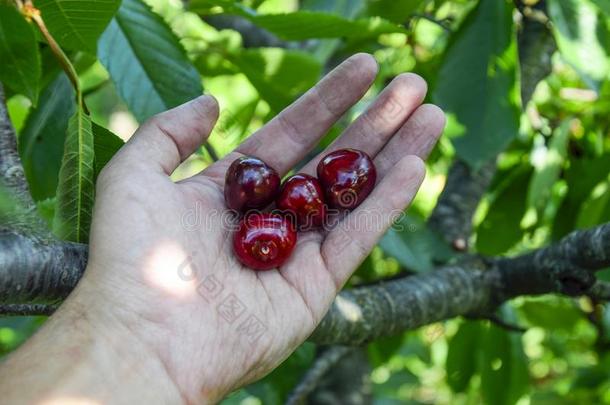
{"type": "Point", "coordinates": [525, 88]}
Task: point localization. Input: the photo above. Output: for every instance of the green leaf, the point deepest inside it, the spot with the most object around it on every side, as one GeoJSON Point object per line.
{"type": "Point", "coordinates": [276, 386]}
{"type": "Point", "coordinates": [46, 210]}
{"type": "Point", "coordinates": [42, 138]}
{"type": "Point", "coordinates": [548, 162]}
{"type": "Point", "coordinates": [146, 62]}
{"type": "Point", "coordinates": [414, 245]}
{"type": "Point", "coordinates": [477, 82]}
{"type": "Point", "coordinates": [229, 6]}
{"type": "Point", "coordinates": [105, 145]}
{"type": "Point", "coordinates": [77, 24]}
{"type": "Point", "coordinates": [504, 372]}
{"type": "Point", "coordinates": [551, 313]}
{"type": "Point", "coordinates": [345, 8]}
{"type": "Point", "coordinates": [596, 209]}
{"type": "Point", "coordinates": [300, 25]}
{"type": "Point", "coordinates": [603, 5]}
{"type": "Point", "coordinates": [582, 176]}
{"type": "Point", "coordinates": [278, 75]}
{"type": "Point", "coordinates": [582, 38]}
{"type": "Point", "coordinates": [381, 350]}
{"type": "Point", "coordinates": [233, 124]}
{"type": "Point", "coordinates": [9, 205]}
{"type": "Point", "coordinates": [75, 190]}
{"type": "Point", "coordinates": [589, 378]}
{"type": "Point", "coordinates": [501, 227]}
{"type": "Point", "coordinates": [397, 11]}
{"type": "Point", "coordinates": [462, 355]}
{"type": "Point", "coordinates": [238, 397]}
{"type": "Point", "coordinates": [20, 66]}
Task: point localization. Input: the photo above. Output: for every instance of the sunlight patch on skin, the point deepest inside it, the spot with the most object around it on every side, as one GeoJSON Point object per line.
{"type": "Point", "coordinates": [348, 309]}
{"type": "Point", "coordinates": [171, 269]}
{"type": "Point", "coordinates": [70, 401]}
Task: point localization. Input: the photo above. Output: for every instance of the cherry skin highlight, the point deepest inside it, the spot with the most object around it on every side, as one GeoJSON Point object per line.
{"type": "Point", "coordinates": [302, 197]}
{"type": "Point", "coordinates": [264, 241]}
{"type": "Point", "coordinates": [250, 184]}
{"type": "Point", "coordinates": [347, 176]}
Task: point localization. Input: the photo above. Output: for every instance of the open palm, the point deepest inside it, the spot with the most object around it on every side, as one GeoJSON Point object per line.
{"type": "Point", "coordinates": [161, 251]}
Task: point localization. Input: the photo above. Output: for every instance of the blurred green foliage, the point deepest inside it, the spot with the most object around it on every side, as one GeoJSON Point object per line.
{"type": "Point", "coordinates": [141, 57]}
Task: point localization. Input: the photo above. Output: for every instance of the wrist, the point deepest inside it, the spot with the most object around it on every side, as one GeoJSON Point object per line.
{"type": "Point", "coordinates": [128, 327]}
{"type": "Point", "coordinates": [82, 353]}
{"type": "Point", "coordinates": [110, 354]}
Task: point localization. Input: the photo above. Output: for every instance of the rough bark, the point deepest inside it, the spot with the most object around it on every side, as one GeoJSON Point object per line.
{"type": "Point", "coordinates": [325, 361]}
{"type": "Point", "coordinates": [364, 314]}
{"type": "Point", "coordinates": [361, 315]}
{"type": "Point", "coordinates": [567, 267]}
{"type": "Point", "coordinates": [23, 216]}
{"type": "Point", "coordinates": [600, 291]}
{"type": "Point", "coordinates": [252, 35]}
{"type": "Point", "coordinates": [34, 270]}
{"type": "Point", "coordinates": [452, 216]}
{"type": "Point", "coordinates": [536, 47]}
{"type": "Point", "coordinates": [347, 383]}
{"type": "Point", "coordinates": [27, 309]}
{"type": "Point", "coordinates": [11, 170]}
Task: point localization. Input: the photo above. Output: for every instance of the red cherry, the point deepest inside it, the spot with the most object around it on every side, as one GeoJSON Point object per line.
{"type": "Point", "coordinates": [302, 197]}
{"type": "Point", "coordinates": [250, 184]}
{"type": "Point", "coordinates": [347, 176]}
{"type": "Point", "coordinates": [264, 241]}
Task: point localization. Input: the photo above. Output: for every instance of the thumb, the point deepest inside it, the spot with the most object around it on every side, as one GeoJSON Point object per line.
{"type": "Point", "coordinates": [168, 138]}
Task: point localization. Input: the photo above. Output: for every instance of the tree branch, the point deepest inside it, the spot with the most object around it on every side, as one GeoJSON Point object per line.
{"type": "Point", "coordinates": [567, 267]}
{"type": "Point", "coordinates": [327, 359]}
{"type": "Point", "coordinates": [600, 291]}
{"type": "Point", "coordinates": [452, 215]}
{"type": "Point", "coordinates": [536, 48]}
{"type": "Point", "coordinates": [34, 266]}
{"type": "Point", "coordinates": [11, 170]}
{"type": "Point", "coordinates": [252, 35]}
{"type": "Point", "coordinates": [34, 270]}
{"type": "Point", "coordinates": [27, 309]}
{"type": "Point", "coordinates": [347, 383]}
{"type": "Point", "coordinates": [364, 314]}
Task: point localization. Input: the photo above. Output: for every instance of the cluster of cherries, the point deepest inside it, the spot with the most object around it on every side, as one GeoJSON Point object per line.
{"type": "Point", "coordinates": [265, 240]}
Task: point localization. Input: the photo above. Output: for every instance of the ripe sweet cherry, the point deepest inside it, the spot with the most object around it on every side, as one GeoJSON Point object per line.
{"type": "Point", "coordinates": [347, 176]}
{"type": "Point", "coordinates": [302, 197]}
{"type": "Point", "coordinates": [250, 184]}
{"type": "Point", "coordinates": [264, 241]}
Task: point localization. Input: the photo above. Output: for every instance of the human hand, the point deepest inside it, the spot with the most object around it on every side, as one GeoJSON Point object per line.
{"type": "Point", "coordinates": [212, 324]}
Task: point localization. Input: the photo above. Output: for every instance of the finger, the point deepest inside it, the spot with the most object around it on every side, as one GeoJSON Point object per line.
{"type": "Point", "coordinates": [416, 137]}
{"type": "Point", "coordinates": [166, 139]}
{"type": "Point", "coordinates": [288, 137]}
{"type": "Point", "coordinates": [348, 244]}
{"type": "Point", "coordinates": [371, 130]}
